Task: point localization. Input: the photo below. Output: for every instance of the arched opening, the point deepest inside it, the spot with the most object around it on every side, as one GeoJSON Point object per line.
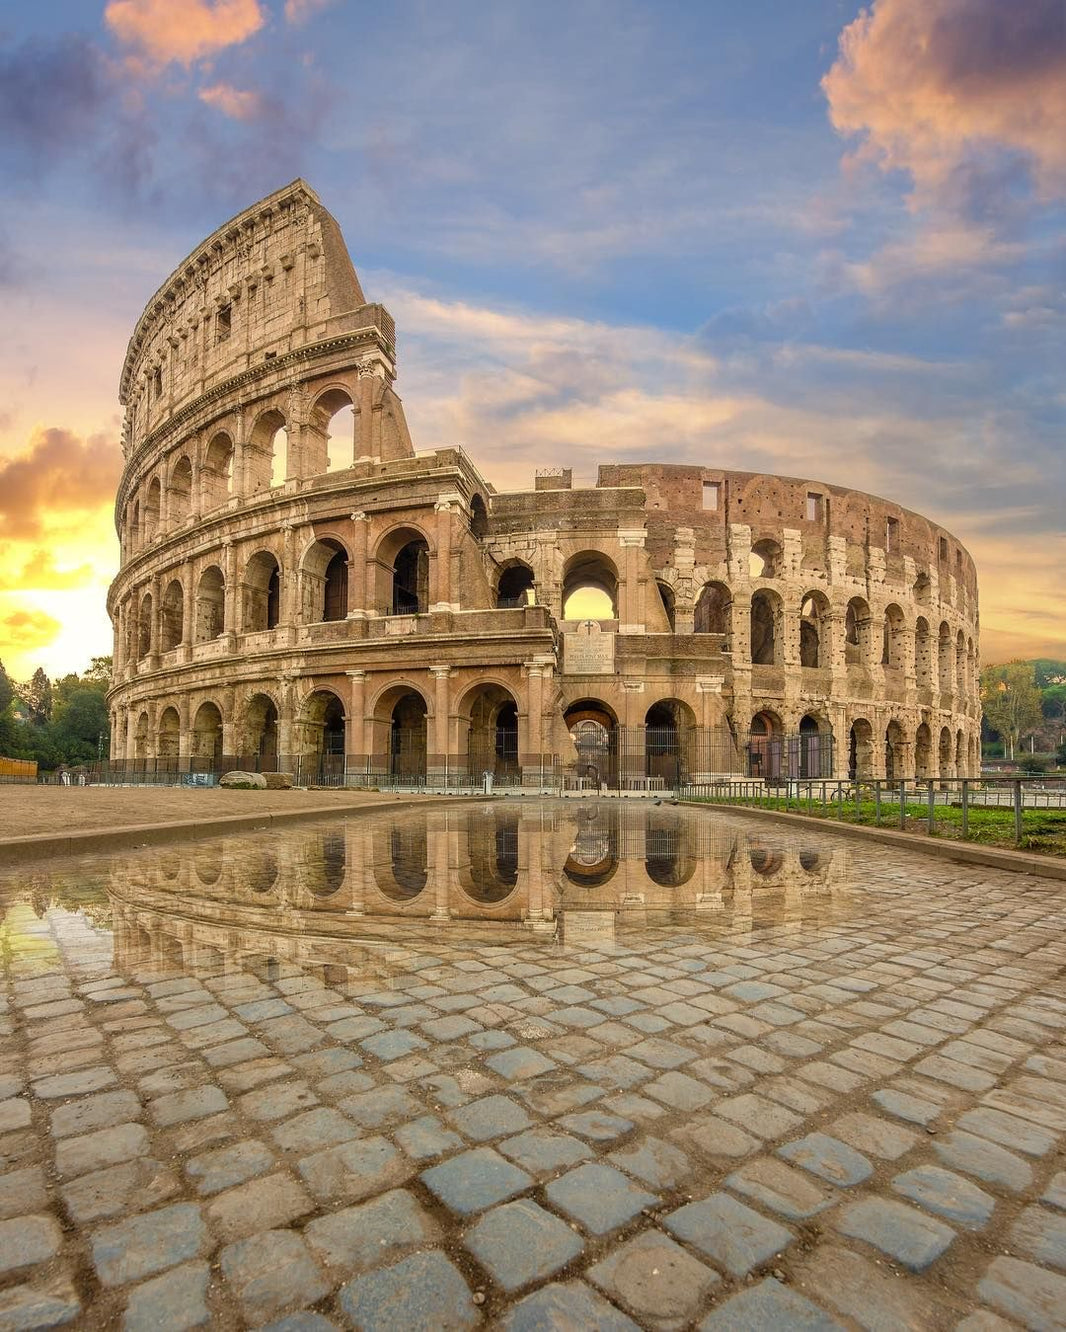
{"type": "Point", "coordinates": [405, 871]}
{"type": "Point", "coordinates": [492, 737]}
{"type": "Point", "coordinates": [765, 560]}
{"type": "Point", "coordinates": [410, 578]}
{"type": "Point", "coordinates": [892, 633]}
{"type": "Point", "coordinates": [179, 492]}
{"type": "Point", "coordinates": [960, 664]}
{"type": "Point", "coordinates": [322, 736]}
{"type": "Point", "coordinates": [923, 654]}
{"type": "Point", "coordinates": [407, 739]}
{"type": "Point", "coordinates": [516, 587]}
{"type": "Point", "coordinates": [894, 746]}
{"type": "Point", "coordinates": [921, 589]}
{"type": "Point", "coordinates": [152, 508]}
{"type": "Point", "coordinates": [668, 860]}
{"type": "Point", "coordinates": [593, 730]}
{"type": "Point", "coordinates": [810, 860]}
{"type": "Point", "coordinates": [857, 624]}
{"type": "Point", "coordinates": [261, 734]}
{"type": "Point", "coordinates": [945, 658]}
{"type": "Point", "coordinates": [593, 857]}
{"type": "Point", "coordinates": [207, 738]}
{"type": "Point", "coordinates": [712, 609]}
{"type": "Point", "coordinates": [168, 743]}
{"type": "Point", "coordinates": [815, 749]}
{"type": "Point", "coordinates": [144, 626]}
{"type": "Point", "coordinates": [479, 518]}
{"type": "Point", "coordinates": [666, 596]}
{"type": "Point", "coordinates": [668, 729]}
{"type": "Point", "coordinates": [764, 746]}
{"type": "Point", "coordinates": [135, 525]}
{"type": "Point", "coordinates": [216, 475]}
{"type": "Point", "coordinates": [946, 753]}
{"type": "Point", "coordinates": [333, 416]}
{"type": "Point", "coordinates": [960, 754]}
{"type": "Point", "coordinates": [493, 850]}
{"type": "Point", "coordinates": [140, 738]}
{"type": "Point", "coordinates": [210, 605]}
{"type": "Point", "coordinates": [262, 592]}
{"type": "Point", "coordinates": [861, 751]}
{"type": "Point", "coordinates": [590, 588]}
{"type": "Point", "coordinates": [814, 617]}
{"type": "Point", "coordinates": [765, 625]}
{"type": "Point", "coordinates": [331, 864]}
{"type": "Point", "coordinates": [172, 616]}
{"type": "Point", "coordinates": [325, 582]}
{"type": "Point", "coordinates": [765, 860]}
{"type": "Point", "coordinates": [923, 753]}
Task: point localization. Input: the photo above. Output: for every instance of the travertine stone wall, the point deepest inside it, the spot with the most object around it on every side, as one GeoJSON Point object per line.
{"type": "Point", "coordinates": [287, 596]}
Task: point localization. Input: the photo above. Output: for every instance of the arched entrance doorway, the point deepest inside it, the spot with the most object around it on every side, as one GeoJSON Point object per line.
{"type": "Point", "coordinates": [261, 735]}
{"type": "Point", "coordinates": [861, 751]}
{"type": "Point", "coordinates": [815, 750]}
{"type": "Point", "coordinates": [492, 736]}
{"type": "Point", "coordinates": [894, 752]}
{"type": "Point", "coordinates": [593, 728]}
{"type": "Point", "coordinates": [207, 739]}
{"type": "Point", "coordinates": [764, 746]}
{"type": "Point", "coordinates": [407, 740]}
{"type": "Point", "coordinates": [322, 739]}
{"type": "Point", "coordinates": [668, 728]}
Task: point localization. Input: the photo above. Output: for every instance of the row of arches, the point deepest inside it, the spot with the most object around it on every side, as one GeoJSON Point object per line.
{"type": "Point", "coordinates": [198, 480]}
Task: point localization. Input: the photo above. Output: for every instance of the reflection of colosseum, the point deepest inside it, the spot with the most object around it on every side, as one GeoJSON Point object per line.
{"type": "Point", "coordinates": [493, 872]}
{"type": "Point", "coordinates": [299, 588]}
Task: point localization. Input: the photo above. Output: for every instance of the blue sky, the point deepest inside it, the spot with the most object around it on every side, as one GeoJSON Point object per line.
{"type": "Point", "coordinates": [809, 238]}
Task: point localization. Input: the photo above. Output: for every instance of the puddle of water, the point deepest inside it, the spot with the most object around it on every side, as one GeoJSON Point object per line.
{"type": "Point", "coordinates": [362, 896]}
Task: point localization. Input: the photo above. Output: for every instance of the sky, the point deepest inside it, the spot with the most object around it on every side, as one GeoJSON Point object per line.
{"type": "Point", "coordinates": [817, 239]}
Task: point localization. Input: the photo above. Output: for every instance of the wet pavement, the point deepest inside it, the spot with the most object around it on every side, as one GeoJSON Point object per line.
{"type": "Point", "coordinates": [571, 1065]}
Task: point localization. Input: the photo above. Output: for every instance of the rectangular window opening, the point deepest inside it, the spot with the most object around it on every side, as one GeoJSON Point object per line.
{"type": "Point", "coordinates": [943, 548]}
{"type": "Point", "coordinates": [157, 384]}
{"type": "Point", "coordinates": [223, 323]}
{"type": "Point", "coordinates": [892, 536]}
{"type": "Point", "coordinates": [711, 495]}
{"type": "Point", "coordinates": [815, 508]}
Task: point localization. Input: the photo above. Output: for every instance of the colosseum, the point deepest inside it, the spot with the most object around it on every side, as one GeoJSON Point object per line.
{"type": "Point", "coordinates": [300, 589]}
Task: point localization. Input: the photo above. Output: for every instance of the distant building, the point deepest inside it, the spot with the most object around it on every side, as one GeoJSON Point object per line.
{"type": "Point", "coordinates": [352, 609]}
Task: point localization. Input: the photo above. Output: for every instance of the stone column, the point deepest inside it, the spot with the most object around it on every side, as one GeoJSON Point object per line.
{"type": "Point", "coordinates": [442, 596]}
{"type": "Point", "coordinates": [358, 601]}
{"type": "Point", "coordinates": [631, 615]}
{"type": "Point", "coordinates": [153, 628]}
{"type": "Point", "coordinates": [229, 612]}
{"type": "Point", "coordinates": [188, 611]}
{"type": "Point", "coordinates": [356, 737]}
{"type": "Point", "coordinates": [286, 723]}
{"type": "Point", "coordinates": [437, 760]}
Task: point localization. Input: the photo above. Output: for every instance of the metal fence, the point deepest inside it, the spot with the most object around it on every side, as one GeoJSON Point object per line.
{"type": "Point", "coordinates": [1014, 811]}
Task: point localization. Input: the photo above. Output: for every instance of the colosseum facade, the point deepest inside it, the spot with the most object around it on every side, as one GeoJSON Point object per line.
{"type": "Point", "coordinates": [300, 589]}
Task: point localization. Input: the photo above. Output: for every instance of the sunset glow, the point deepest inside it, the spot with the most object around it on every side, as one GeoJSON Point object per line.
{"type": "Point", "coordinates": [820, 241]}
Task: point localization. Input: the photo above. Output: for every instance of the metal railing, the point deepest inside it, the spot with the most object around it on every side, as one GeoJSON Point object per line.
{"type": "Point", "coordinates": [1019, 811]}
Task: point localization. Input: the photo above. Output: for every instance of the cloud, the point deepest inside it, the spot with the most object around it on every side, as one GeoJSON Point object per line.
{"type": "Point", "coordinates": [26, 630]}
{"type": "Point", "coordinates": [182, 31]}
{"type": "Point", "coordinates": [237, 103]}
{"type": "Point", "coordinates": [966, 96]}
{"type": "Point", "coordinates": [40, 573]}
{"type": "Point", "coordinates": [60, 474]}
{"type": "Point", "coordinates": [52, 96]}
{"type": "Point", "coordinates": [298, 12]}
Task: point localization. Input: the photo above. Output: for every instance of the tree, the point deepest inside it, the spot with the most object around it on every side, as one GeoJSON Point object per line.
{"type": "Point", "coordinates": [99, 673]}
{"type": "Point", "coordinates": [80, 729]}
{"type": "Point", "coordinates": [7, 690]}
{"type": "Point", "coordinates": [1011, 701]}
{"type": "Point", "coordinates": [36, 693]}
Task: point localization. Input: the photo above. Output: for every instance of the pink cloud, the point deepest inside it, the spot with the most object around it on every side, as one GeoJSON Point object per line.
{"type": "Point", "coordinates": [945, 89]}
{"type": "Point", "coordinates": [237, 103]}
{"type": "Point", "coordinates": [298, 12]}
{"type": "Point", "coordinates": [182, 30]}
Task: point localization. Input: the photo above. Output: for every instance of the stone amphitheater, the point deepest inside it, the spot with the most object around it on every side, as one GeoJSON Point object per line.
{"type": "Point", "coordinates": [299, 589]}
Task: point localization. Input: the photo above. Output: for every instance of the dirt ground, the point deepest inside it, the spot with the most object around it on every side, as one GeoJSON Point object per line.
{"type": "Point", "coordinates": [29, 810]}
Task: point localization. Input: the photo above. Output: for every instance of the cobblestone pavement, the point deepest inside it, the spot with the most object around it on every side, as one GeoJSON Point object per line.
{"type": "Point", "coordinates": [849, 1114]}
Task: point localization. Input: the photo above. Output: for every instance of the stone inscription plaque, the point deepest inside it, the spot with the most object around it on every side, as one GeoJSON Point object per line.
{"type": "Point", "coordinates": [588, 651]}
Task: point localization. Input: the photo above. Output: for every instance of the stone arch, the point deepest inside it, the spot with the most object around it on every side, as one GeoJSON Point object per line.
{"type": "Point", "coordinates": [490, 874]}
{"type": "Point", "coordinates": [857, 638]}
{"type": "Point", "coordinates": [668, 857]}
{"type": "Point", "coordinates": [259, 742]}
{"type": "Point", "coordinates": [945, 753]}
{"type": "Point", "coordinates": [961, 766]}
{"type": "Point", "coordinates": [765, 744]}
{"type": "Point", "coordinates": [766, 636]}
{"type": "Point", "coordinates": [593, 857]}
{"type": "Point", "coordinates": [491, 714]}
{"type": "Point", "coordinates": [667, 600]}
{"type": "Point", "coordinates": [713, 607]}
{"type": "Point", "coordinates": [892, 633]}
{"type": "Point", "coordinates": [210, 605]}
{"type": "Point", "coordinates": [268, 450]}
{"type": "Point", "coordinates": [923, 753]}
{"type": "Point", "coordinates": [172, 616]}
{"type": "Point", "coordinates": [593, 727]}
{"type": "Point", "coordinates": [479, 517]}
{"type": "Point", "coordinates": [216, 475]}
{"type": "Point", "coordinates": [861, 751]}
{"type": "Point", "coordinates": [894, 751]}
{"type": "Point", "coordinates": [923, 654]}
{"type": "Point", "coordinates": [144, 626]}
{"type": "Point", "coordinates": [179, 491]}
{"type": "Point", "coordinates": [207, 737]}
{"type": "Point", "coordinates": [262, 592]}
{"type": "Point", "coordinates": [153, 508]}
{"type": "Point", "coordinates": [142, 738]}
{"type": "Point", "coordinates": [590, 587]}
{"type": "Point", "coordinates": [814, 630]}
{"type": "Point", "coordinates": [815, 747]}
{"type": "Point", "coordinates": [324, 571]}
{"type": "Point", "coordinates": [960, 666]}
{"type": "Point", "coordinates": [765, 860]}
{"type": "Point", "coordinates": [401, 859]}
{"type": "Point", "coordinates": [168, 735]}
{"type": "Point", "coordinates": [134, 525]}
{"type": "Point", "coordinates": [333, 417]}
{"type": "Point", "coordinates": [766, 559]}
{"type": "Point", "coordinates": [516, 586]}
{"type": "Point", "coordinates": [402, 558]}
{"type": "Point", "coordinates": [944, 658]}
{"type": "Point", "coordinates": [403, 712]}
{"type": "Point", "coordinates": [669, 731]}
{"type": "Point", "coordinates": [321, 734]}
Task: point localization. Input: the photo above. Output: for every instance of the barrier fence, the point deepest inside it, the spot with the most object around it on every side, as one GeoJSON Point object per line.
{"type": "Point", "coordinates": [1026, 812]}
